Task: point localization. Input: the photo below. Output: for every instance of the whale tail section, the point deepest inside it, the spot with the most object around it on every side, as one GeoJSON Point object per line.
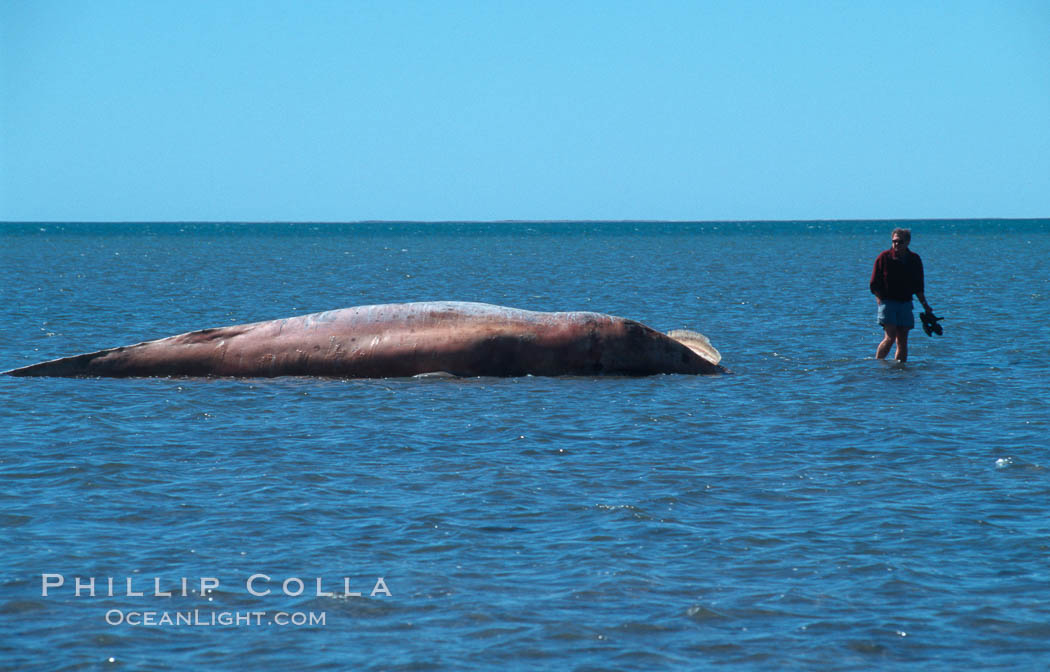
{"type": "Point", "coordinates": [696, 342]}
{"type": "Point", "coordinates": [66, 367]}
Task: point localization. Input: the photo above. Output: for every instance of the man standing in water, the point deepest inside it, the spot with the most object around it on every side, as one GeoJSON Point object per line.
{"type": "Point", "coordinates": [896, 277]}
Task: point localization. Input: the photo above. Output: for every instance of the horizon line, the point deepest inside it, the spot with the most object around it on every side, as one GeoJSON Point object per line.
{"type": "Point", "coordinates": [519, 221]}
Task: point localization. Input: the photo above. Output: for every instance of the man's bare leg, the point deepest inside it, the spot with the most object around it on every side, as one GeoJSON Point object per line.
{"type": "Point", "coordinates": [887, 342]}
{"type": "Point", "coordinates": [902, 345]}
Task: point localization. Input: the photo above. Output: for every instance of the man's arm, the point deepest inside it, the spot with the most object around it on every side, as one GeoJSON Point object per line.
{"type": "Point", "coordinates": [876, 279]}
{"type": "Point", "coordinates": [920, 283]}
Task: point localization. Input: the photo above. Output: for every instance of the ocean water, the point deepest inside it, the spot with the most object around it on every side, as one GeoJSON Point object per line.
{"type": "Point", "coordinates": [812, 509]}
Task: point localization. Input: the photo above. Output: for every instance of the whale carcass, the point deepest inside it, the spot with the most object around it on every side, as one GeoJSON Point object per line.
{"type": "Point", "coordinates": [406, 339]}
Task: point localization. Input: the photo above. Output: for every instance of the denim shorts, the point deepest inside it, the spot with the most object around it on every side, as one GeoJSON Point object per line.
{"type": "Point", "coordinates": [897, 313]}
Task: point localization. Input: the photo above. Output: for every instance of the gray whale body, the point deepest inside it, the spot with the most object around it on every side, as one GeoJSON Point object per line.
{"type": "Point", "coordinates": [406, 339]}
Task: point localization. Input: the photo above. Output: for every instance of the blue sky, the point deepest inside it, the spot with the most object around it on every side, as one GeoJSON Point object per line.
{"type": "Point", "coordinates": [347, 111]}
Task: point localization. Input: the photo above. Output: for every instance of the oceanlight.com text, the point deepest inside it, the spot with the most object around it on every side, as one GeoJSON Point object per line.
{"type": "Point", "coordinates": [211, 618]}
